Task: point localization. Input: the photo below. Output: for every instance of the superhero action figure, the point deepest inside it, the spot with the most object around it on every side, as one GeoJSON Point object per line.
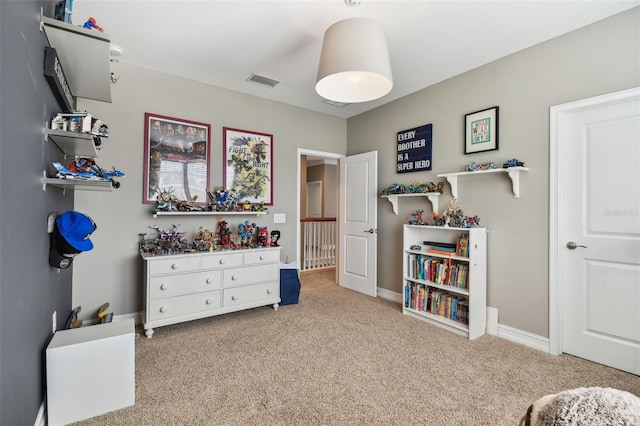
{"type": "Point", "coordinates": [91, 24]}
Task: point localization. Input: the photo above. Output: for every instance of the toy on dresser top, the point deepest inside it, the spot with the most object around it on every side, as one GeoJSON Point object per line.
{"type": "Point", "coordinates": [172, 241]}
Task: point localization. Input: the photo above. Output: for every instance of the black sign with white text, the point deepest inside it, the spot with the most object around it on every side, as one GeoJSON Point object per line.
{"type": "Point", "coordinates": [57, 81]}
{"type": "Point", "coordinates": [414, 149]}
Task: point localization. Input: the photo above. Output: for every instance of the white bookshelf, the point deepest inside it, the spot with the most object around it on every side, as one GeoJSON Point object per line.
{"type": "Point", "coordinates": [475, 262]}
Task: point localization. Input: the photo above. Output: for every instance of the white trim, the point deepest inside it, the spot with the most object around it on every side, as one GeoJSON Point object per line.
{"type": "Point", "coordinates": [504, 331]}
{"type": "Point", "coordinates": [389, 295]}
{"type": "Point", "coordinates": [41, 418]}
{"type": "Point", "coordinates": [314, 153]}
{"type": "Point", "coordinates": [523, 337]}
{"type": "Point", "coordinates": [557, 115]}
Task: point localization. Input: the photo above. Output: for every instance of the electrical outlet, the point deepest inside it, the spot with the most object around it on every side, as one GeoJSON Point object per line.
{"type": "Point", "coordinates": [54, 321]}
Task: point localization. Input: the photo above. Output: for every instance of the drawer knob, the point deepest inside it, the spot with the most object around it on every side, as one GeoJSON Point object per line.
{"type": "Point", "coordinates": [175, 266]}
{"type": "Point", "coordinates": [262, 257]}
{"type": "Point", "coordinates": [222, 261]}
{"type": "Point", "coordinates": [163, 287]}
{"type": "Point", "coordinates": [234, 297]}
{"type": "Point", "coordinates": [163, 309]}
{"type": "Point", "coordinates": [234, 277]}
{"type": "Point", "coordinates": [269, 291]}
{"type": "Point", "coordinates": [209, 301]}
{"type": "Point", "coordinates": [208, 280]}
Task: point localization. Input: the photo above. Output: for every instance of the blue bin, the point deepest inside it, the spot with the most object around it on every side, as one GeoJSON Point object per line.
{"type": "Point", "coordinates": [289, 284]}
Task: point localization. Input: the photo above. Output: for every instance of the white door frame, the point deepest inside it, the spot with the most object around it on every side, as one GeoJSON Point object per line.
{"type": "Point", "coordinates": [301, 152]}
{"type": "Point", "coordinates": [556, 129]}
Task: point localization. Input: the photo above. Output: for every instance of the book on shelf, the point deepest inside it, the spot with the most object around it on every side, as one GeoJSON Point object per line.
{"type": "Point", "coordinates": [441, 252]}
{"type": "Point", "coordinates": [439, 244]}
{"type": "Point", "coordinates": [462, 246]}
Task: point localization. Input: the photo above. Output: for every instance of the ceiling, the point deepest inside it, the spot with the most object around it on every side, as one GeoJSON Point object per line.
{"type": "Point", "coordinates": [223, 42]}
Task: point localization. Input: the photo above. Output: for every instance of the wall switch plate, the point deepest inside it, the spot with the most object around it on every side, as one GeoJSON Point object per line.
{"type": "Point", "coordinates": [279, 218]}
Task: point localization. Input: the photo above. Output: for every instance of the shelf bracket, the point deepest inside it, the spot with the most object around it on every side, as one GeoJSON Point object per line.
{"type": "Point", "coordinates": [394, 203]}
{"type": "Point", "coordinates": [453, 182]}
{"type": "Point", "coordinates": [515, 181]}
{"type": "Point", "coordinates": [431, 196]}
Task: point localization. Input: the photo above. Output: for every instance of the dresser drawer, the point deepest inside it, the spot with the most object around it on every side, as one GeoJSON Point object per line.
{"type": "Point", "coordinates": [222, 260]}
{"type": "Point", "coordinates": [250, 293]}
{"type": "Point", "coordinates": [261, 256]}
{"type": "Point", "coordinates": [250, 275]}
{"type": "Point", "coordinates": [169, 266]}
{"type": "Point", "coordinates": [195, 282]}
{"type": "Point", "coordinates": [183, 305]}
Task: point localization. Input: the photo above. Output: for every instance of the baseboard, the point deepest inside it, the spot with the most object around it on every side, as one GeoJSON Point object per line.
{"type": "Point", "coordinates": [504, 331]}
{"type": "Point", "coordinates": [41, 418]}
{"type": "Point", "coordinates": [523, 337]}
{"type": "Point", "coordinates": [389, 295]}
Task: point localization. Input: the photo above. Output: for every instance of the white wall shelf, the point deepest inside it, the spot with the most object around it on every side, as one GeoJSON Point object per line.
{"type": "Point", "coordinates": [197, 213]}
{"type": "Point", "coordinates": [73, 143]}
{"type": "Point", "coordinates": [75, 184]}
{"type": "Point", "coordinates": [84, 55]}
{"type": "Point", "coordinates": [431, 196]}
{"type": "Point", "coordinates": [512, 172]}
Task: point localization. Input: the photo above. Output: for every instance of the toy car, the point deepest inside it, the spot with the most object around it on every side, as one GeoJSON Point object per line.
{"type": "Point", "coordinates": [514, 162]}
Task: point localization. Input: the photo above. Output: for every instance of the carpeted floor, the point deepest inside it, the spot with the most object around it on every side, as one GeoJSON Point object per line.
{"type": "Point", "coordinates": [341, 358]}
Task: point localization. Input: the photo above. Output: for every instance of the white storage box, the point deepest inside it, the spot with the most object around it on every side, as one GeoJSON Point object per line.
{"type": "Point", "coordinates": [90, 371]}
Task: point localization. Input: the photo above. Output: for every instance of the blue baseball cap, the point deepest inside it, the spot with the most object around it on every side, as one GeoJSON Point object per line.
{"type": "Point", "coordinates": [76, 228]}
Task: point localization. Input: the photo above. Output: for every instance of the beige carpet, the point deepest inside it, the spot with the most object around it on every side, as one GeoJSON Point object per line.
{"type": "Point", "coordinates": [340, 358]}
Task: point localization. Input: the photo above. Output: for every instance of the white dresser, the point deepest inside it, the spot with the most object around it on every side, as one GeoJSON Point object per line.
{"type": "Point", "coordinates": [190, 286]}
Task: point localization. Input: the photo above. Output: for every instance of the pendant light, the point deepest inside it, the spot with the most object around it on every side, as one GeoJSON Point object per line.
{"type": "Point", "coordinates": [354, 63]}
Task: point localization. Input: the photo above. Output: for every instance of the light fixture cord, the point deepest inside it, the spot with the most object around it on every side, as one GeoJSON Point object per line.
{"type": "Point", "coordinates": [354, 4]}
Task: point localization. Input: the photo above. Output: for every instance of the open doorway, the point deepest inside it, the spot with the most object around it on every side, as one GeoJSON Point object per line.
{"type": "Point", "coordinates": [318, 174]}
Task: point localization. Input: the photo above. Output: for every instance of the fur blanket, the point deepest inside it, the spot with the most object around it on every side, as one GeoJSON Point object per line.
{"type": "Point", "coordinates": [585, 406]}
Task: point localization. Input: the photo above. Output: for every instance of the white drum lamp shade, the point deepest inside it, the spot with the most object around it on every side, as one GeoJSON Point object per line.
{"type": "Point", "coordinates": [354, 63]}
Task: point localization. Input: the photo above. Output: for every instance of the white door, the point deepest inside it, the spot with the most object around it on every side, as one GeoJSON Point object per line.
{"type": "Point", "coordinates": [358, 221]}
{"type": "Point", "coordinates": [314, 198]}
{"type": "Point", "coordinates": [598, 239]}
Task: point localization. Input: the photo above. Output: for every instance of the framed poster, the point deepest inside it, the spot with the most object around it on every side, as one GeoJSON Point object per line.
{"type": "Point", "coordinates": [415, 149]}
{"type": "Point", "coordinates": [481, 131]}
{"type": "Point", "coordinates": [248, 162]}
{"type": "Point", "coordinates": [176, 158]}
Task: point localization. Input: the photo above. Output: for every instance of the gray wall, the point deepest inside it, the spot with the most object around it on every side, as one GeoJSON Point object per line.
{"type": "Point", "coordinates": [601, 58]}
{"type": "Point", "coordinates": [594, 60]}
{"type": "Point", "coordinates": [30, 290]}
{"type": "Point", "coordinates": [112, 270]}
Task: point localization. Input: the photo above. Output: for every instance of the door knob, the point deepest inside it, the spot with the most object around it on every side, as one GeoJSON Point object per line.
{"type": "Point", "coordinates": [370, 230]}
{"type": "Point", "coordinates": [572, 246]}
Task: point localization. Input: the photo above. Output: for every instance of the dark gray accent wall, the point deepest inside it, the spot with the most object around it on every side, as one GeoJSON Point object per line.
{"type": "Point", "coordinates": [30, 290]}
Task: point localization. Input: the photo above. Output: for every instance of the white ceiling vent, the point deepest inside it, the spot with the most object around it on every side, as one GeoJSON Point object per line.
{"type": "Point", "coordinates": [336, 103]}
{"type": "Point", "coordinates": [263, 81]}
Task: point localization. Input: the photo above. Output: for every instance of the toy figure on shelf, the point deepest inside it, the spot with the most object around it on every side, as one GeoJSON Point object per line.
{"type": "Point", "coordinates": [224, 234]}
{"type": "Point", "coordinates": [275, 236]}
{"type": "Point", "coordinates": [188, 205]}
{"type": "Point", "coordinates": [91, 24]}
{"type": "Point", "coordinates": [514, 162]}
{"type": "Point", "coordinates": [245, 231]}
{"type": "Point", "coordinates": [203, 240]}
{"type": "Point", "coordinates": [454, 217]}
{"type": "Point", "coordinates": [473, 167]}
{"type": "Point", "coordinates": [417, 220]}
{"type": "Point", "coordinates": [170, 241]}
{"type": "Point", "coordinates": [415, 188]}
{"type": "Point", "coordinates": [263, 237]}
{"type": "Point", "coordinates": [165, 200]}
{"type": "Point", "coordinates": [86, 169]}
